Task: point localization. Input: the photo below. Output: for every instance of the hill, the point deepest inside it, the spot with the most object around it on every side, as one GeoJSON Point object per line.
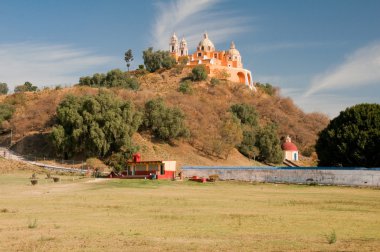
{"type": "Point", "coordinates": [204, 110]}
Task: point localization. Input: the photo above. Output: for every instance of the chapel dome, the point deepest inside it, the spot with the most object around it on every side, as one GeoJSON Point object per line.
{"type": "Point", "coordinates": [206, 44]}
{"type": "Point", "coordinates": [288, 145]}
{"type": "Point", "coordinates": [183, 41]}
{"type": "Point", "coordinates": [233, 51]}
{"type": "Point", "coordinates": [174, 38]}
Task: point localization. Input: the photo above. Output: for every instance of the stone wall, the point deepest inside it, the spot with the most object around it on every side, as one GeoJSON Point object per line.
{"type": "Point", "coordinates": [299, 175]}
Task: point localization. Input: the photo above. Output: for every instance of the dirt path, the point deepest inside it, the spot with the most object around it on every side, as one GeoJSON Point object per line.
{"type": "Point", "coordinates": [11, 155]}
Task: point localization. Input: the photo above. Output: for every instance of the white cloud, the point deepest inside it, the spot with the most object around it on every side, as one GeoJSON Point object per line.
{"type": "Point", "coordinates": [270, 47]}
{"type": "Point", "coordinates": [45, 64]}
{"type": "Point", "coordinates": [191, 18]}
{"type": "Point", "coordinates": [361, 68]}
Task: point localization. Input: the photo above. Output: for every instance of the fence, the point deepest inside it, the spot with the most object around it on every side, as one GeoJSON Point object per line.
{"type": "Point", "coordinates": [296, 175]}
{"type": "Point", "coordinates": [51, 164]}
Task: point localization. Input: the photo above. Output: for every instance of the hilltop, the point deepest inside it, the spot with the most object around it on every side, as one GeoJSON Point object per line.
{"type": "Point", "coordinates": [204, 111]}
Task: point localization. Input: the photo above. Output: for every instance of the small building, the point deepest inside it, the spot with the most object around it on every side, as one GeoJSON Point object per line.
{"type": "Point", "coordinates": [150, 169]}
{"type": "Point", "coordinates": [290, 150]}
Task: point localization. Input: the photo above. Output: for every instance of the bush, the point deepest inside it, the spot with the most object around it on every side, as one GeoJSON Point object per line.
{"type": "Point", "coordinates": [165, 123]}
{"type": "Point", "coordinates": [114, 78]}
{"type": "Point", "coordinates": [214, 81]}
{"type": "Point", "coordinates": [185, 87]}
{"type": "Point", "coordinates": [269, 145]}
{"type": "Point", "coordinates": [6, 112]}
{"type": "Point", "coordinates": [199, 73]}
{"type": "Point", "coordinates": [267, 88]}
{"type": "Point", "coordinates": [27, 87]}
{"type": "Point", "coordinates": [94, 125]}
{"type": "Point", "coordinates": [245, 113]}
{"type": "Point", "coordinates": [154, 60]}
{"type": "Point", "coordinates": [183, 60]}
{"type": "Point", "coordinates": [331, 237]}
{"type": "Point", "coordinates": [3, 88]}
{"type": "Point", "coordinates": [231, 134]}
{"type": "Point", "coordinates": [352, 139]}
{"type": "Point", "coordinates": [16, 99]}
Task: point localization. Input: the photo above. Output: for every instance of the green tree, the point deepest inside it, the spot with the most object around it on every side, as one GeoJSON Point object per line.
{"type": "Point", "coordinates": [249, 118]}
{"type": "Point", "coordinates": [113, 78]}
{"type": "Point", "coordinates": [165, 123]}
{"type": "Point", "coordinates": [3, 88]}
{"type": "Point", "coordinates": [128, 57]}
{"type": "Point", "coordinates": [154, 60]}
{"type": "Point", "coordinates": [199, 73]}
{"type": "Point", "coordinates": [185, 87]}
{"type": "Point", "coordinates": [94, 125]}
{"type": "Point", "coordinates": [231, 134]}
{"type": "Point", "coordinates": [246, 113]}
{"type": "Point", "coordinates": [352, 138]}
{"type": "Point", "coordinates": [6, 112]}
{"type": "Point", "coordinates": [269, 145]}
{"type": "Point", "coordinates": [27, 87]}
{"type": "Point", "coordinates": [267, 88]}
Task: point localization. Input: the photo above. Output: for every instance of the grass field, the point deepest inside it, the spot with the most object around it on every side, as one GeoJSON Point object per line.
{"type": "Point", "coordinates": [138, 215]}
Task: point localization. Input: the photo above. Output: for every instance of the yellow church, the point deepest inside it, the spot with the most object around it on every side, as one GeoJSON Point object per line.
{"type": "Point", "coordinates": [227, 64]}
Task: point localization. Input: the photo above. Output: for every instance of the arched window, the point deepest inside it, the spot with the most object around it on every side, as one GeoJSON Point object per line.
{"type": "Point", "coordinates": [203, 48]}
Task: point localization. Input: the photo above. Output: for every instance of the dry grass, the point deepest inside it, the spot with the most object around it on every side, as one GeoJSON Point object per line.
{"type": "Point", "coordinates": [204, 111]}
{"type": "Point", "coordinates": [140, 215]}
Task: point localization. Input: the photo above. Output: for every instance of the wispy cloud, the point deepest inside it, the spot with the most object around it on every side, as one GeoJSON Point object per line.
{"type": "Point", "coordinates": [269, 47]}
{"type": "Point", "coordinates": [191, 18]}
{"type": "Point", "coordinates": [361, 68]}
{"type": "Point", "coordinates": [45, 64]}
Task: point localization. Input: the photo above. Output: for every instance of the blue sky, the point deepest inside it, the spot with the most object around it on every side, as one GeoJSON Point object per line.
{"type": "Point", "coordinates": [325, 55]}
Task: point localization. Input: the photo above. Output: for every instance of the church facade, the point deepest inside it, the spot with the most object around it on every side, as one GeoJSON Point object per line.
{"type": "Point", "coordinates": [219, 64]}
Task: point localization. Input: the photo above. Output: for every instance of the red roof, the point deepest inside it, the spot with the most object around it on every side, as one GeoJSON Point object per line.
{"type": "Point", "coordinates": [289, 146]}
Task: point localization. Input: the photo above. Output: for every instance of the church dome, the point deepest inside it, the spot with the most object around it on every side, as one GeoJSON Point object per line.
{"type": "Point", "coordinates": [233, 51]}
{"type": "Point", "coordinates": [288, 145]}
{"type": "Point", "coordinates": [174, 38]}
{"type": "Point", "coordinates": [206, 45]}
{"type": "Point", "coordinates": [183, 42]}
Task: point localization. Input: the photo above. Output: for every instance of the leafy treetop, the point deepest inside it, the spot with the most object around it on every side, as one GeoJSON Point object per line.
{"type": "Point", "coordinates": [352, 138]}
{"type": "Point", "coordinates": [95, 125]}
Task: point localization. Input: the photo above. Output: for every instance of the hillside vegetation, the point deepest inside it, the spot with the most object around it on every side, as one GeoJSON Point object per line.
{"type": "Point", "coordinates": [205, 109]}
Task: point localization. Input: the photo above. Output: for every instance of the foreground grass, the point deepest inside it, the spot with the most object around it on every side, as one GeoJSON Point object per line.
{"type": "Point", "coordinates": [143, 215]}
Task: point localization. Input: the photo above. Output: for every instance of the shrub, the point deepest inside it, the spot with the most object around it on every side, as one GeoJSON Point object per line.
{"type": "Point", "coordinates": [331, 237]}
{"type": "Point", "coordinates": [352, 138]}
{"type": "Point", "coordinates": [185, 87]}
{"type": "Point", "coordinates": [269, 145]}
{"type": "Point", "coordinates": [95, 125]}
{"type": "Point", "coordinates": [183, 60]}
{"type": "Point", "coordinates": [16, 99]}
{"type": "Point", "coordinates": [165, 123]}
{"type": "Point", "coordinates": [266, 88]}
{"type": "Point", "coordinates": [154, 60]}
{"type": "Point", "coordinates": [3, 88]}
{"type": "Point", "coordinates": [199, 73]}
{"type": "Point", "coordinates": [113, 78]}
{"type": "Point", "coordinates": [6, 112]}
{"type": "Point", "coordinates": [27, 87]}
{"type": "Point", "coordinates": [32, 224]}
{"type": "Point", "coordinates": [221, 74]}
{"type": "Point", "coordinates": [214, 81]}
{"type": "Point", "coordinates": [245, 113]}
